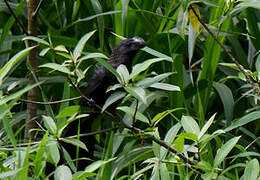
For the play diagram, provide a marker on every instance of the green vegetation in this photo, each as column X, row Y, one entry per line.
column 185, row 92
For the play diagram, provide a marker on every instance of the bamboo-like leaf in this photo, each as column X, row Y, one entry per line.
column 75, row 142
column 18, row 93
column 244, row 120
column 124, row 74
column 10, row 64
column 131, row 111
column 206, row 126
column 138, row 93
column 138, row 68
column 36, row 39
column 224, row 150
column 165, row 86
column 190, row 125
column 252, row 170
column 113, row 98
column 68, row 111
column 49, row 124
column 63, row 173
column 58, row 67
column 227, row 100
column 81, row 44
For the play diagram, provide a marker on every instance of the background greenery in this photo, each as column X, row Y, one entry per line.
column 213, row 118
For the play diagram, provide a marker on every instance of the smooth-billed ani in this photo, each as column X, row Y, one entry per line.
column 123, row 53
column 96, row 88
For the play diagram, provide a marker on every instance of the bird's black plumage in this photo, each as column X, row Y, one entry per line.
column 123, row 53
column 96, row 88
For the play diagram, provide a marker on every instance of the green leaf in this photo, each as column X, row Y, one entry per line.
column 4, row 175
column 130, row 111
column 44, row 51
column 252, row 170
column 97, row 164
column 49, row 124
column 230, row 65
column 190, row 136
column 57, row 67
column 190, row 125
column 68, row 111
column 124, row 74
column 206, row 126
column 40, row 159
column 257, row 66
column 164, row 86
column 36, row 39
column 80, row 46
column 162, row 115
column 10, row 64
column 138, row 93
column 61, row 48
column 9, row 130
column 109, row 67
column 224, row 150
column 53, row 151
column 18, row 93
column 9, row 23
column 244, row 120
column 113, row 98
column 138, row 68
column 169, row 137
column 146, row 82
column 226, row 98
column 63, row 173
column 157, row 54
column 91, row 56
column 179, row 143
column 75, row 142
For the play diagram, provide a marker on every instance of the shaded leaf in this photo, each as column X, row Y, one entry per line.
column 224, row 150
column 131, row 111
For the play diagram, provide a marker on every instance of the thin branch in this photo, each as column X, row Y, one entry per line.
column 50, row 103
column 38, row 8
column 225, row 49
column 21, row 144
column 90, row 101
column 94, row 132
column 136, row 107
column 16, row 18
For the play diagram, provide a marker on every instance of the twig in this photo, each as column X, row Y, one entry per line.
column 50, row 103
column 15, row 17
column 94, row 133
column 21, row 144
column 225, row 49
column 87, row 99
column 136, row 107
column 38, row 8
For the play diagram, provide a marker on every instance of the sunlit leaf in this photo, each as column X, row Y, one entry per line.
column 194, row 20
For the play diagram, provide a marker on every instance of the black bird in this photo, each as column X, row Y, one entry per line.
column 123, row 53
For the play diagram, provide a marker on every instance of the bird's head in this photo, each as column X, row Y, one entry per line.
column 125, row 51
column 132, row 44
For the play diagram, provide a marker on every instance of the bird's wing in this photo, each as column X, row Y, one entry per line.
column 95, row 80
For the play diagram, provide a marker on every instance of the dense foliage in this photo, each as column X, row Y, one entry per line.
column 184, row 91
